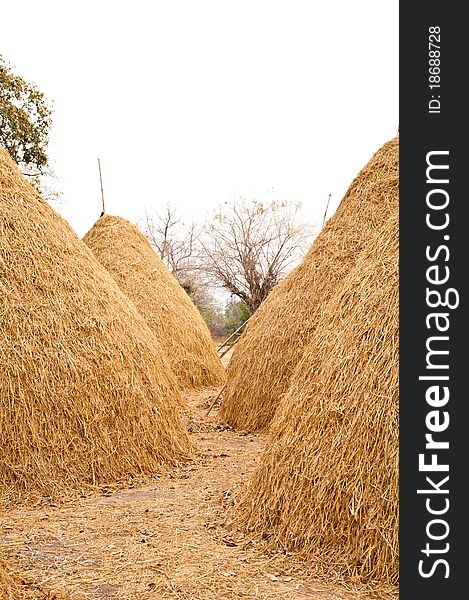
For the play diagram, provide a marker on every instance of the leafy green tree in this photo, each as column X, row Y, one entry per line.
column 236, row 313
column 25, row 121
column 188, row 287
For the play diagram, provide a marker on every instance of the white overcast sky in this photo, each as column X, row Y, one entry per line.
column 196, row 102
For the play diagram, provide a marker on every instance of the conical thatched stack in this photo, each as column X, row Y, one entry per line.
column 328, row 480
column 125, row 252
column 86, row 395
column 269, row 351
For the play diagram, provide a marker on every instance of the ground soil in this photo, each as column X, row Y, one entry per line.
column 174, row 536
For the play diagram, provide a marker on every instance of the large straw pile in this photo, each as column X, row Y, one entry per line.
column 9, row 588
column 274, row 341
column 86, row 395
column 171, row 315
column 328, row 480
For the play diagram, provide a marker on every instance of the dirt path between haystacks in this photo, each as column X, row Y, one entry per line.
column 163, row 539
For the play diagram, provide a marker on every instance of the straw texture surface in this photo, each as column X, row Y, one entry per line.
column 169, row 312
column 86, row 394
column 327, row 485
column 270, row 349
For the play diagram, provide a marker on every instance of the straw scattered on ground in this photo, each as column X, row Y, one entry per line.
column 274, row 341
column 169, row 539
column 86, row 394
column 169, row 312
column 13, row 586
column 327, row 485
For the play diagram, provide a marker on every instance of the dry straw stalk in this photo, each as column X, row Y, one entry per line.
column 169, row 312
column 86, row 394
column 271, row 347
column 14, row 586
column 9, row 584
column 327, row 484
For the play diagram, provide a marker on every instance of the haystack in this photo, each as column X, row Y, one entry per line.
column 86, row 394
column 169, row 312
column 273, row 343
column 327, row 484
column 9, row 585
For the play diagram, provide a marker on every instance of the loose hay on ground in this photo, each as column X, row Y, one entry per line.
column 13, row 586
column 126, row 254
column 166, row 539
column 327, row 484
column 271, row 347
column 86, row 394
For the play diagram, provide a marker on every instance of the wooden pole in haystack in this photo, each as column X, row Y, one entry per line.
column 325, row 212
column 215, row 401
column 232, row 336
column 101, row 182
column 222, row 355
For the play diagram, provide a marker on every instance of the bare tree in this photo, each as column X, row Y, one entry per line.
column 245, row 249
column 177, row 246
column 174, row 242
column 249, row 246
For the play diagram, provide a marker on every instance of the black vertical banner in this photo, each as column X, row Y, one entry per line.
column 434, row 267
